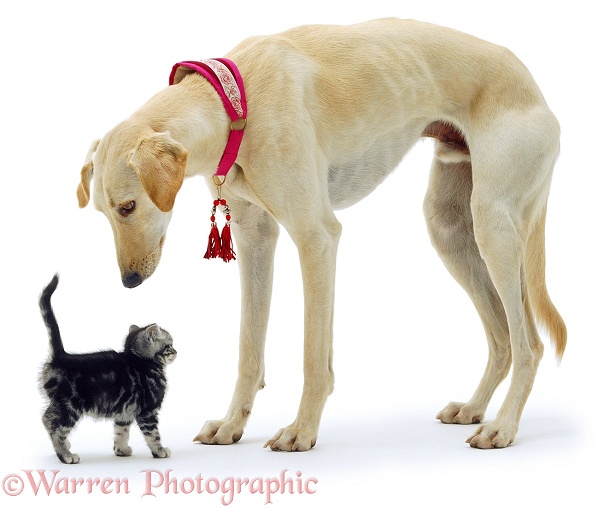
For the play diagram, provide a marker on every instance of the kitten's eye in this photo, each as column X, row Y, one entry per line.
column 127, row 208
column 169, row 351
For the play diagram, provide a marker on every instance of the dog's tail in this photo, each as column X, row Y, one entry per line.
column 56, row 343
column 541, row 304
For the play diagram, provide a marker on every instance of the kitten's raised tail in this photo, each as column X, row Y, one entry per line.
column 56, row 343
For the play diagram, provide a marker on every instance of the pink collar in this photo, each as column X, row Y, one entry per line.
column 225, row 78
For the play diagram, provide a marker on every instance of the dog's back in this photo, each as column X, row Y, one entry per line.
column 394, row 65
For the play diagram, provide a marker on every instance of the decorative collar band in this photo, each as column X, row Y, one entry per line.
column 226, row 80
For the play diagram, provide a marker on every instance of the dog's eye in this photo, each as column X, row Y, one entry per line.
column 127, row 208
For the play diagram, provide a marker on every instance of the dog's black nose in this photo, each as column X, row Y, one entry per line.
column 132, row 280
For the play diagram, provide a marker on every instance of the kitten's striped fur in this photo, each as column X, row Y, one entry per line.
column 126, row 386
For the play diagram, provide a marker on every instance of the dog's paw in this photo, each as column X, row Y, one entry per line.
column 222, row 432
column 292, row 439
column 161, row 453
column 122, row 452
column 492, row 435
column 460, row 413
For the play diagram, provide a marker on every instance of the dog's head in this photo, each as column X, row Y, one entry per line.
column 137, row 173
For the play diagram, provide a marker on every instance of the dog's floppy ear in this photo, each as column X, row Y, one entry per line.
column 159, row 162
column 83, row 191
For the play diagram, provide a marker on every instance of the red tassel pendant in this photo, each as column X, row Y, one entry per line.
column 220, row 247
column 214, row 244
column 227, row 253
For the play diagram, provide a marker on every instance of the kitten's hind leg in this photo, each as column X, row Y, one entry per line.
column 120, row 439
column 59, row 422
column 148, row 425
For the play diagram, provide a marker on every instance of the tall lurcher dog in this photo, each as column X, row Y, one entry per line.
column 332, row 111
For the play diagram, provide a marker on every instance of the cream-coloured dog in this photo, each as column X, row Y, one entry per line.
column 332, row 111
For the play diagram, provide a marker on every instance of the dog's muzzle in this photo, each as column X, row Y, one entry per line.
column 132, row 280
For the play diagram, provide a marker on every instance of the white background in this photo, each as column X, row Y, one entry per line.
column 407, row 339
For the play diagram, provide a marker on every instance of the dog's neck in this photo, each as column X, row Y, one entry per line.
column 224, row 76
column 193, row 114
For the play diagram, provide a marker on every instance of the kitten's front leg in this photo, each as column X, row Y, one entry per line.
column 120, row 439
column 148, row 425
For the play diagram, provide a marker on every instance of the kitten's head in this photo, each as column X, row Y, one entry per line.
column 152, row 343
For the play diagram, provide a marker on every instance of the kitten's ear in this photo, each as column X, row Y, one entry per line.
column 133, row 328
column 152, row 332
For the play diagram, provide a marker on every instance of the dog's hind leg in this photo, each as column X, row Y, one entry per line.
column 449, row 221
column 256, row 234
column 511, row 175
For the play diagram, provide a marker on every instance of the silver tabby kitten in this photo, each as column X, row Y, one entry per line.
column 126, row 386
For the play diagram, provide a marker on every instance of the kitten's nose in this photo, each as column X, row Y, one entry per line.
column 132, row 280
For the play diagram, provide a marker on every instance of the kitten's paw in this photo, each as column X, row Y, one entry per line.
column 122, row 452
column 161, row 453
column 68, row 458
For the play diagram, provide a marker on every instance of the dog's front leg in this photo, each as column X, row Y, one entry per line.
column 317, row 249
column 256, row 234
